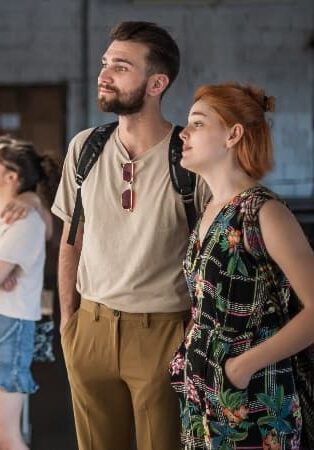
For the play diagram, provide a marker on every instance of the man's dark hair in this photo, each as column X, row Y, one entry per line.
column 164, row 54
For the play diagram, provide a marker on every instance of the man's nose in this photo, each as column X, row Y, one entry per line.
column 105, row 75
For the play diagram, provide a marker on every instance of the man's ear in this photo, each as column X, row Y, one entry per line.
column 235, row 134
column 157, row 84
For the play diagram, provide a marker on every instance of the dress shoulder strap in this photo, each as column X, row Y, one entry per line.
column 250, row 208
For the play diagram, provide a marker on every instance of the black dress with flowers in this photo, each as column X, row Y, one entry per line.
column 234, row 307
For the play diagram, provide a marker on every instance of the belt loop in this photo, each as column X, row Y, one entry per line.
column 96, row 312
column 117, row 314
column 145, row 320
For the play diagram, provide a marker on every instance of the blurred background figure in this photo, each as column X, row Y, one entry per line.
column 22, row 258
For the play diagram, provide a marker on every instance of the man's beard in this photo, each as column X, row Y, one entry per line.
column 124, row 104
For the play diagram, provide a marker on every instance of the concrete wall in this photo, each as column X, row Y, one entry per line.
column 260, row 41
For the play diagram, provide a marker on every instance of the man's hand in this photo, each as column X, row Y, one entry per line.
column 69, row 258
column 64, row 320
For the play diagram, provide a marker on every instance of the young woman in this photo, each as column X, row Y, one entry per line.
column 246, row 258
column 22, row 257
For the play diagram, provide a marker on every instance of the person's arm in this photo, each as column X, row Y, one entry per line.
column 69, row 257
column 289, row 248
column 10, row 281
column 20, row 206
column 5, row 269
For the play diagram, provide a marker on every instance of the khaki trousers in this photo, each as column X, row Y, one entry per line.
column 117, row 366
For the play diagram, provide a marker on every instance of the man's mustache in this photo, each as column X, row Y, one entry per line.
column 108, row 87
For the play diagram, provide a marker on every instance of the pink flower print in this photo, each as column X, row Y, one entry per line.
column 295, row 442
column 208, row 409
column 188, row 338
column 194, row 311
column 177, row 364
column 295, row 405
column 270, row 442
column 192, row 392
column 243, row 207
column 199, row 287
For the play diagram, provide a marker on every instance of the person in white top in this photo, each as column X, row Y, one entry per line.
column 22, row 257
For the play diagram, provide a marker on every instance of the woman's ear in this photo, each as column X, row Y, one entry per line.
column 157, row 84
column 235, row 134
column 11, row 177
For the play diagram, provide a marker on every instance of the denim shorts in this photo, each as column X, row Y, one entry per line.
column 16, row 354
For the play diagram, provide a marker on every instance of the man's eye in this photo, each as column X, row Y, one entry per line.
column 121, row 69
column 198, row 124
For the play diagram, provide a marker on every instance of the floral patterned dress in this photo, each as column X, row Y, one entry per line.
column 234, row 307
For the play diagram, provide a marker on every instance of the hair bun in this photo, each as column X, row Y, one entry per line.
column 269, row 103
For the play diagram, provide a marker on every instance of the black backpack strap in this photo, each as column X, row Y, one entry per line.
column 182, row 179
column 91, row 149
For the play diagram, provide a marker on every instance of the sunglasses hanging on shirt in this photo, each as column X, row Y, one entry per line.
column 127, row 197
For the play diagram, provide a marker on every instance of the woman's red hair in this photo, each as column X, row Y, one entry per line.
column 245, row 105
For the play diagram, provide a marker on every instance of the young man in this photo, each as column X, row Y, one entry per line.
column 124, row 301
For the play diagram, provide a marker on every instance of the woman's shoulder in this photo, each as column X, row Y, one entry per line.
column 260, row 191
column 33, row 219
column 32, row 223
column 256, row 197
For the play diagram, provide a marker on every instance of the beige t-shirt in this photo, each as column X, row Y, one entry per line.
column 130, row 261
column 23, row 244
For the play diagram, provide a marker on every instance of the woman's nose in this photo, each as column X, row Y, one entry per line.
column 183, row 135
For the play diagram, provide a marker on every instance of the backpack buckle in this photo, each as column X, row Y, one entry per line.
column 188, row 198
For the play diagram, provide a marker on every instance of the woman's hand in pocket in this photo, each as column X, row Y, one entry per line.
column 237, row 373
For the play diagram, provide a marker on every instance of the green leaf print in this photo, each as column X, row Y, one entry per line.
column 241, row 267
column 186, row 410
column 217, row 428
column 278, row 424
column 266, row 420
column 226, row 433
column 232, row 264
column 220, row 303
column 280, row 409
column 197, row 425
column 267, row 401
column 232, row 400
column 245, row 425
column 225, row 446
column 236, row 436
column 224, row 244
column 279, row 397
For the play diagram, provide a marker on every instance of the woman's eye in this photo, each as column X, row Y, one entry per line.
column 198, row 124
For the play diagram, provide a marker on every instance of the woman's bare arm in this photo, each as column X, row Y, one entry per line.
column 289, row 248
